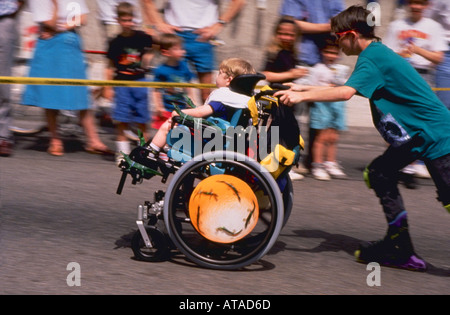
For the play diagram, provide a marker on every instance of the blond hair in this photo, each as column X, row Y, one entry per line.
column 236, row 66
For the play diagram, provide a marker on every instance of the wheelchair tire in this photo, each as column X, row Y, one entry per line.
column 160, row 250
column 210, row 254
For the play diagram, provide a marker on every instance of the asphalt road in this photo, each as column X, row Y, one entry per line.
column 55, row 211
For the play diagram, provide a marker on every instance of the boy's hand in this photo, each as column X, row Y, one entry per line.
column 289, row 97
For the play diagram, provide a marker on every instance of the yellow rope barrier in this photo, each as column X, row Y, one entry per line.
column 85, row 82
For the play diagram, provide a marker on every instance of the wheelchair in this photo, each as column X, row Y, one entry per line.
column 223, row 208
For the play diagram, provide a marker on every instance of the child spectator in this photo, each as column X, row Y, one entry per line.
column 129, row 54
column 174, row 69
column 216, row 104
column 281, row 60
column 281, row 54
column 327, row 118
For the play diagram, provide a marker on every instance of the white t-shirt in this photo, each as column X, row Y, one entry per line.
column 327, row 75
column 107, row 13
column 228, row 98
column 440, row 12
column 42, row 10
column 192, row 14
column 425, row 33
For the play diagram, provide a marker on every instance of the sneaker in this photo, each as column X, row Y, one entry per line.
column 334, row 170
column 318, row 172
column 395, row 250
column 420, row 170
column 152, row 153
column 389, row 256
column 295, row 176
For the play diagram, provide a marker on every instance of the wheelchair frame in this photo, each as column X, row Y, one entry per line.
column 165, row 225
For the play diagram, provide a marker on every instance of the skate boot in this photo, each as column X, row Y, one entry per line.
column 395, row 250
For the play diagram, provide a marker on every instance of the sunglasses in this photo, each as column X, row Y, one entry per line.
column 342, row 34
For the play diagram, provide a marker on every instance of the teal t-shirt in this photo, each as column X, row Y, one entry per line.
column 403, row 105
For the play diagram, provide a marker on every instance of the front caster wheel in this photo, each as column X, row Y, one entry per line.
column 158, row 252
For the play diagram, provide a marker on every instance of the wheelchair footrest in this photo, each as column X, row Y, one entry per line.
column 141, row 166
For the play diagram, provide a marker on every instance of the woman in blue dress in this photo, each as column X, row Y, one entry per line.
column 59, row 54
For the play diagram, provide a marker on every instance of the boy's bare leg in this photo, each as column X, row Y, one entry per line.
column 332, row 137
column 159, row 140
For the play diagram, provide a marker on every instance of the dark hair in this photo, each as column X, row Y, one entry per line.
column 354, row 18
column 274, row 47
column 124, row 9
column 168, row 40
column 328, row 41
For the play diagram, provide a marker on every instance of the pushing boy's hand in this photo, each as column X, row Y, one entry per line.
column 289, row 97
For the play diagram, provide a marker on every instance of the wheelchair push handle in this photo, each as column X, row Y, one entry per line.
column 275, row 88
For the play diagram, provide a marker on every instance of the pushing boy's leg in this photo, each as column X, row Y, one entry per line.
column 395, row 249
column 440, row 173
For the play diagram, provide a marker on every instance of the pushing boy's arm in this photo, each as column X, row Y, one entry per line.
column 334, row 94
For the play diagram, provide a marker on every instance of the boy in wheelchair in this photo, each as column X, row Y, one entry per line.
column 228, row 106
column 217, row 105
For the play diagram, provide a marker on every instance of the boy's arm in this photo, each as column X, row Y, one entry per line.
column 292, row 97
column 198, row 112
column 147, row 60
